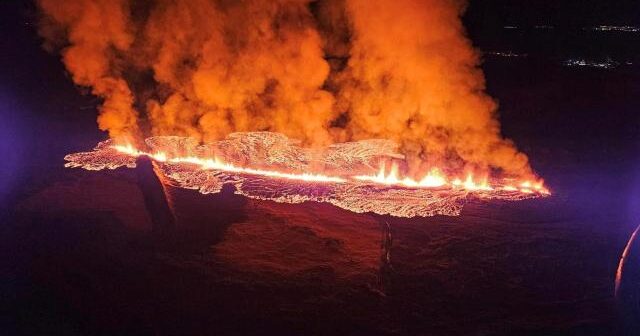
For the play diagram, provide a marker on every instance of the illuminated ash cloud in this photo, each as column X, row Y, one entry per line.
column 269, row 166
column 327, row 71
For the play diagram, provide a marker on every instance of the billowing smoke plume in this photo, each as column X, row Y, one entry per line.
column 412, row 76
column 238, row 66
column 97, row 31
column 319, row 71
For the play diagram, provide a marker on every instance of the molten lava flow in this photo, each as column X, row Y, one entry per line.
column 216, row 164
column 433, row 179
column 269, row 166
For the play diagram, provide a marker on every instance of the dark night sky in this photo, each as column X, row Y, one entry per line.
column 565, row 13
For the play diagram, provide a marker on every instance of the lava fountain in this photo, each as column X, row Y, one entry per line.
column 362, row 176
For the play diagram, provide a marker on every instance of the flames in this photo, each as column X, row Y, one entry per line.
column 433, row 179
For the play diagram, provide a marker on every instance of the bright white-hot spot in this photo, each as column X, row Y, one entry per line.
column 433, row 179
column 217, row 164
column 470, row 184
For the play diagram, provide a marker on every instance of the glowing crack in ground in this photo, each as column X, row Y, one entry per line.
column 269, row 166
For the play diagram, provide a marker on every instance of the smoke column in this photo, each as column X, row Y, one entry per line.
column 319, row 71
column 95, row 33
column 238, row 66
column 412, row 68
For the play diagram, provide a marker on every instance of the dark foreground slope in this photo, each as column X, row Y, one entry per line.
column 86, row 259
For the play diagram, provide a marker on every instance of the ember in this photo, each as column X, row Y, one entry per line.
column 276, row 169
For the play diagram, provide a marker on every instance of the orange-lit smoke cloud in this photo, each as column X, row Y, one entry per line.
column 238, row 66
column 96, row 32
column 319, row 71
column 413, row 77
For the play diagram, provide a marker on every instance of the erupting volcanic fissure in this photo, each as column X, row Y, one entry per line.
column 323, row 72
column 198, row 77
column 270, row 166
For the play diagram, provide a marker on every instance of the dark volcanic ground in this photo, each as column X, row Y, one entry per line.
column 80, row 256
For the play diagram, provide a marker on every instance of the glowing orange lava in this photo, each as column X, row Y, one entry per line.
column 433, row 179
column 270, row 166
column 217, row 164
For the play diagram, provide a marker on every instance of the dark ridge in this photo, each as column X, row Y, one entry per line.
column 155, row 199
